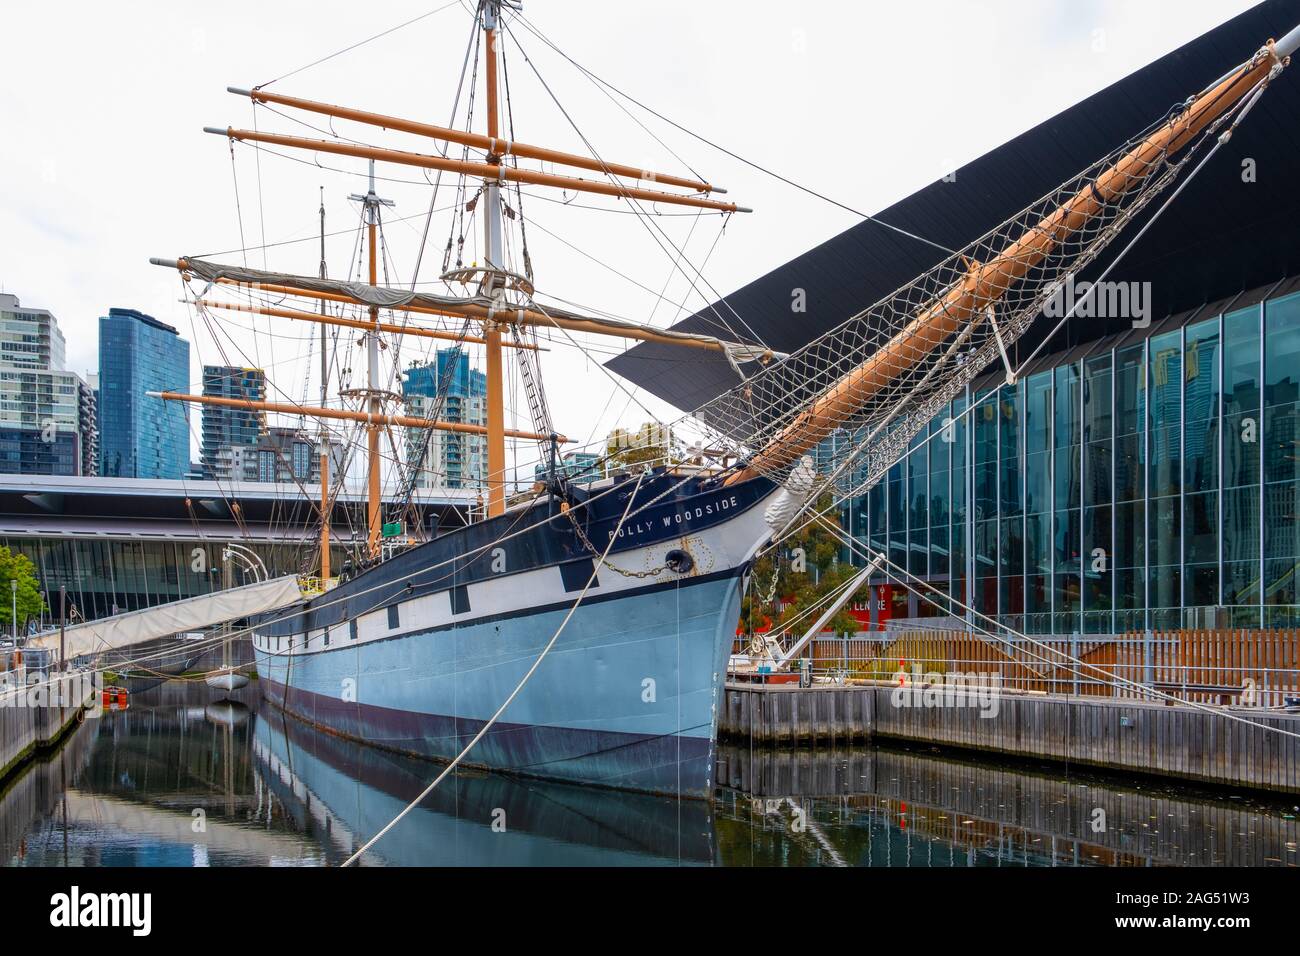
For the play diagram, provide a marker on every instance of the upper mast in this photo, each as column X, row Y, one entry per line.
column 492, row 226
column 373, row 396
column 324, row 433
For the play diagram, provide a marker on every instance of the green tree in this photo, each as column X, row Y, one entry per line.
column 31, row 602
column 651, row 442
column 808, row 569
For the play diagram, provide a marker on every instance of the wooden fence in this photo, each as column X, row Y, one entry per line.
column 1248, row 667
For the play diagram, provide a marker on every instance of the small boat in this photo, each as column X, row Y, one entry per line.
column 227, row 679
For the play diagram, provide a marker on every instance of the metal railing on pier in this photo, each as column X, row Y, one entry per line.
column 1259, row 668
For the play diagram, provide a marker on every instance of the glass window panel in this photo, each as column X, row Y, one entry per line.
column 1130, row 534
column 1038, row 482
column 1166, row 461
column 1165, row 588
column 1066, row 537
column 1130, row 589
column 1067, row 477
column 1012, row 551
column 1067, row 600
column 1281, row 529
column 1130, row 390
column 1038, row 594
column 1097, row 399
column 1281, row 443
column 1241, row 524
column 1282, row 350
column 986, row 548
column 1202, row 583
column 876, row 518
column 1098, row 462
column 1201, row 362
column 1038, row 412
column 918, row 561
column 985, row 425
column 1066, row 418
column 1010, row 400
column 986, row 489
column 1241, row 582
column 1202, row 524
column 939, row 499
column 1201, row 455
column 941, row 432
column 1241, row 353
column 1038, row 544
column 1012, row 596
column 1241, row 451
column 1012, row 487
column 1129, row 456
column 1282, row 616
column 1280, row 581
column 1165, row 532
column 1098, row 559
column 939, row 550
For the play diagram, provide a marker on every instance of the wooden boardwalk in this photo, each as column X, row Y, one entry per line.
column 1104, row 732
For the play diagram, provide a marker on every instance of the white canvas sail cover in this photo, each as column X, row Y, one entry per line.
column 190, row 614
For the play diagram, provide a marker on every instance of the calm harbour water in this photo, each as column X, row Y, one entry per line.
column 191, row 776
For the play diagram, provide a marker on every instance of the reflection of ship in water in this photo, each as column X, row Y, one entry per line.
column 342, row 794
column 125, row 789
column 914, row 808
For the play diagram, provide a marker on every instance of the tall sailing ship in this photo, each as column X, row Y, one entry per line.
column 582, row 631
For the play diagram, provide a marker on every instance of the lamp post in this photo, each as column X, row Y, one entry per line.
column 13, row 587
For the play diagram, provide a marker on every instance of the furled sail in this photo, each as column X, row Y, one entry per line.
column 481, row 306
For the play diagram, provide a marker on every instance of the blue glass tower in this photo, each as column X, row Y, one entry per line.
column 142, row 437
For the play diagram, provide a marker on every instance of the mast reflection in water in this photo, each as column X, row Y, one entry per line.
column 183, row 778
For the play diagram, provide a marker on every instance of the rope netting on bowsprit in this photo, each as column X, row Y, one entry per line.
column 855, row 397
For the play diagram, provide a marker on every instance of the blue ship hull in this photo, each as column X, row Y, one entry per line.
column 413, row 658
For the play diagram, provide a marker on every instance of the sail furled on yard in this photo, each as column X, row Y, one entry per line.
column 860, row 393
column 391, row 298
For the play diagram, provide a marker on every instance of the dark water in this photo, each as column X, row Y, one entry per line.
column 185, row 778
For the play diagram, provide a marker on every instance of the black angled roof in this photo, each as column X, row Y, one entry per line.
column 1220, row 237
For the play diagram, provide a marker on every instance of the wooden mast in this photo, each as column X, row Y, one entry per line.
column 374, row 403
column 324, row 433
column 496, row 444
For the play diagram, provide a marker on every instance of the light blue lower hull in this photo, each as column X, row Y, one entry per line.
column 626, row 698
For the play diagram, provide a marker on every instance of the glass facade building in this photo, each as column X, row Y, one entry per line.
column 139, row 436
column 1144, row 481
column 458, row 393
column 224, row 427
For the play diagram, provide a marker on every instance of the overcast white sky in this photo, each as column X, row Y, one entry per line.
column 105, row 164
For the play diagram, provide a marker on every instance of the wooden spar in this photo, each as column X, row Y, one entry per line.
column 325, row 503
column 374, row 499
column 492, row 145
column 345, row 414
column 529, row 317
column 415, row 330
column 495, row 379
column 479, row 170
column 983, row 285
